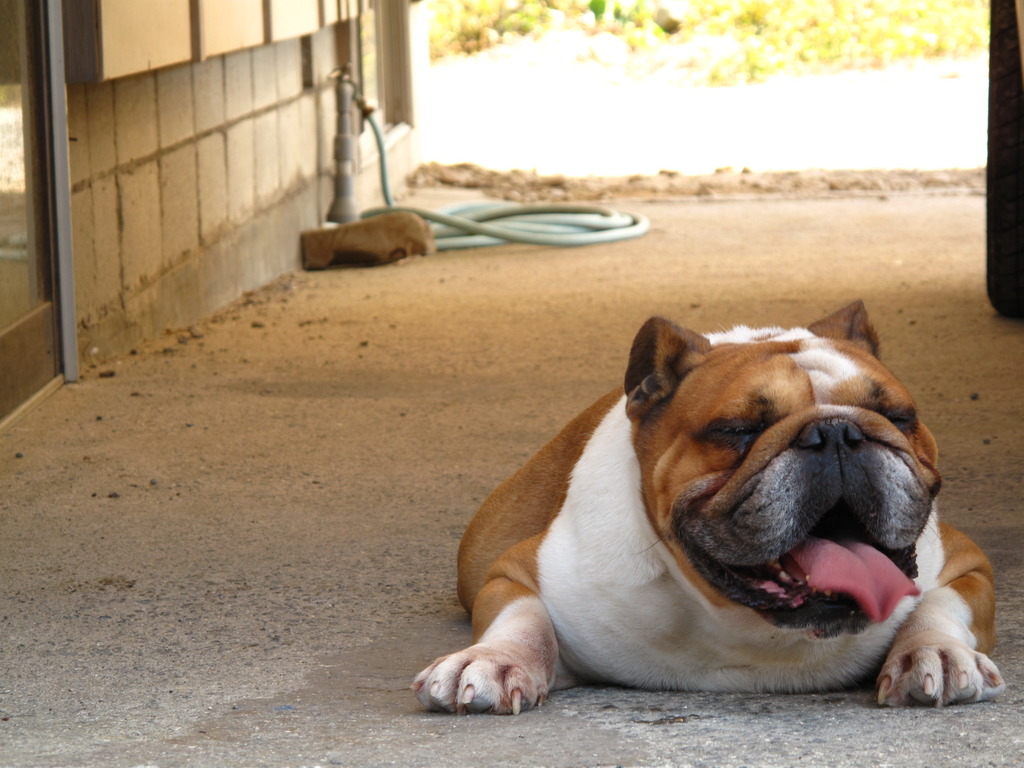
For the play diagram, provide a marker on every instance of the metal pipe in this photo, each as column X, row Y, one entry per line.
column 343, row 208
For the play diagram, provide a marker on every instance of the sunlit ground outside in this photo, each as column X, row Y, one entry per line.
column 577, row 103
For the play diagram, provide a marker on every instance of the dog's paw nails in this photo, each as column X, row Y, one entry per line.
column 939, row 671
column 992, row 681
column 884, row 689
column 962, row 680
column 464, row 702
column 928, row 687
column 482, row 679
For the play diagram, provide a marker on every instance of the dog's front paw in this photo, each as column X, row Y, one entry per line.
column 934, row 668
column 499, row 678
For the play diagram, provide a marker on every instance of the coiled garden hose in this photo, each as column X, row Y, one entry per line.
column 482, row 224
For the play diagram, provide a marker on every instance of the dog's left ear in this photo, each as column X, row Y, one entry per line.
column 662, row 354
column 850, row 324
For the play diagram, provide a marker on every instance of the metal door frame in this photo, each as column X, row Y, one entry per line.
column 64, row 290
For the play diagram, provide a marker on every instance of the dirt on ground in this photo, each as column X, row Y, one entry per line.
column 529, row 186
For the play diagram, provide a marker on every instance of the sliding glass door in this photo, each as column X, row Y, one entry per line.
column 30, row 356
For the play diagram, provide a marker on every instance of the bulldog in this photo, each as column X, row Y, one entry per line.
column 754, row 511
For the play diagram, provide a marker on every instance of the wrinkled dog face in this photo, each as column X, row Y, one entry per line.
column 787, row 468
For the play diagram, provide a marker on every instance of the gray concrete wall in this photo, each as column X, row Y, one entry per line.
column 191, row 184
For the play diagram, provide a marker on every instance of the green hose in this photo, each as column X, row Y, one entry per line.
column 482, row 224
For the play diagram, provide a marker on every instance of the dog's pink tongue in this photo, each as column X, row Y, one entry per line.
column 855, row 569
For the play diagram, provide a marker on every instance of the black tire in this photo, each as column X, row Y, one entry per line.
column 1005, row 173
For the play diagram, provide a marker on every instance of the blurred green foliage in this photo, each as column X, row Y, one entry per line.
column 470, row 26
column 743, row 40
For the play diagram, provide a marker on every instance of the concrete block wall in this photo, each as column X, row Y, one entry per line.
column 191, row 184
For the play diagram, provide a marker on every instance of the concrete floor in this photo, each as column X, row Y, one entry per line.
column 236, row 547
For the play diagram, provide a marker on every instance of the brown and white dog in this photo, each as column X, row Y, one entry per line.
column 754, row 512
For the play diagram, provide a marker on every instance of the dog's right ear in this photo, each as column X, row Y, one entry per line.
column 662, row 354
column 851, row 324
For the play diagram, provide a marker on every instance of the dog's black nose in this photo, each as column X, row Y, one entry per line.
column 825, row 434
